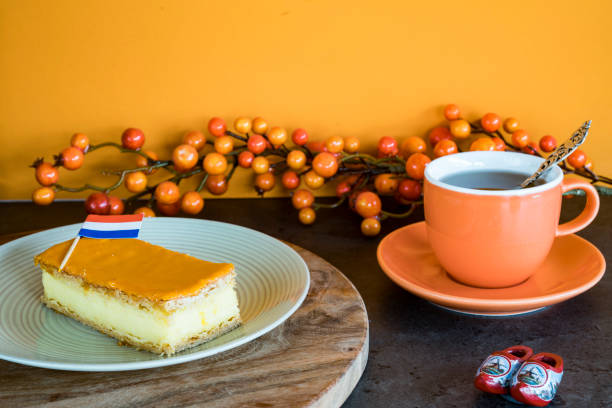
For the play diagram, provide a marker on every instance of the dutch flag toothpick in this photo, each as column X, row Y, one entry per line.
column 106, row 226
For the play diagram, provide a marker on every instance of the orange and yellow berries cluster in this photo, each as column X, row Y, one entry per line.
column 300, row 165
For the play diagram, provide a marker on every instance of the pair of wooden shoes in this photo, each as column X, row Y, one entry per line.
column 518, row 373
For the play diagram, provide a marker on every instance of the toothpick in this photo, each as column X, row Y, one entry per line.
column 70, row 250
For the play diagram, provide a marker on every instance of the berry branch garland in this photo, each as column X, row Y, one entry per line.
column 361, row 178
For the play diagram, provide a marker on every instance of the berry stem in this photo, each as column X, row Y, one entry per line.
column 413, row 206
column 336, row 204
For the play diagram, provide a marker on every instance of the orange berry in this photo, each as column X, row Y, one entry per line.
column 259, row 125
column 195, row 139
column 386, row 184
column 368, row 204
column 184, row 157
column 214, row 163
column 216, row 184
column 460, row 128
column 302, row 199
column 500, row 145
column 483, row 144
column 325, row 164
column 46, row 174
column 192, row 203
column 415, row 165
column 577, row 159
column 260, row 165
column 296, row 159
column 445, row 147
column 265, row 181
column 72, row 158
column 43, row 196
column 334, row 144
column 277, row 135
column 511, row 125
column 136, row 182
column 520, row 138
column 242, row 125
column 412, row 144
column 452, row 112
column 146, row 211
column 370, row 227
column 169, row 210
column 224, row 144
column 351, row 144
column 531, row 148
column 80, row 141
column 307, row 216
column 167, row 192
column 490, row 122
column 313, row 180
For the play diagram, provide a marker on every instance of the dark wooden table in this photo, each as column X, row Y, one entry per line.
column 420, row 355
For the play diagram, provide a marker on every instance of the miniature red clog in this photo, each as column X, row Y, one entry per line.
column 537, row 380
column 495, row 374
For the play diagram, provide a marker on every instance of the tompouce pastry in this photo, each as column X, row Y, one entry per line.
column 141, row 294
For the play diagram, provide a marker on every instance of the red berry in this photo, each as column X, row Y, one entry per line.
column 97, row 203
column 490, row 122
column 299, row 137
column 343, row 188
column 410, row 189
column 388, row 146
column 548, row 143
column 257, row 144
column 439, row 133
column 116, row 205
column 290, row 180
column 132, row 139
column 245, row 159
column 217, row 127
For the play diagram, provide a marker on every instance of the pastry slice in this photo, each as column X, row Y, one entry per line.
column 143, row 295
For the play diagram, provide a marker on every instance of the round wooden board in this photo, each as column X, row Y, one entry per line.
column 314, row 359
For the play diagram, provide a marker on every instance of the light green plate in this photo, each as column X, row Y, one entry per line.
column 272, row 283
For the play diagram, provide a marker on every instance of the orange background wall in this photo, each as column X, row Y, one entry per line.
column 333, row 67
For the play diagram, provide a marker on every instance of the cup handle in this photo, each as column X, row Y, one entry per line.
column 590, row 209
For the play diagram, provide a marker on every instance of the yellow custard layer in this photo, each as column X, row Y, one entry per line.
column 135, row 267
column 149, row 329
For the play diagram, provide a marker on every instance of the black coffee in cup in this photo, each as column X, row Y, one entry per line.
column 489, row 180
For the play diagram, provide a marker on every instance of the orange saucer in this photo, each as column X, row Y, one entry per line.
column 572, row 267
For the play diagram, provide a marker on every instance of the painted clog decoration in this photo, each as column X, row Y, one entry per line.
column 495, row 373
column 537, row 380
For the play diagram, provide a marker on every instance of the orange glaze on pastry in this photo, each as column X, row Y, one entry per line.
column 135, row 267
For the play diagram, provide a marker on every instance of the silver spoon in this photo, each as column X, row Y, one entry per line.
column 560, row 153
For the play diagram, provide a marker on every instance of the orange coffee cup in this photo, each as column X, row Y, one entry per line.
column 496, row 238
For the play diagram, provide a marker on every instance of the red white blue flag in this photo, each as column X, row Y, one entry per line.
column 111, row 226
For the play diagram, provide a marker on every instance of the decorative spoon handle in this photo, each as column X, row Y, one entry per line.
column 561, row 152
